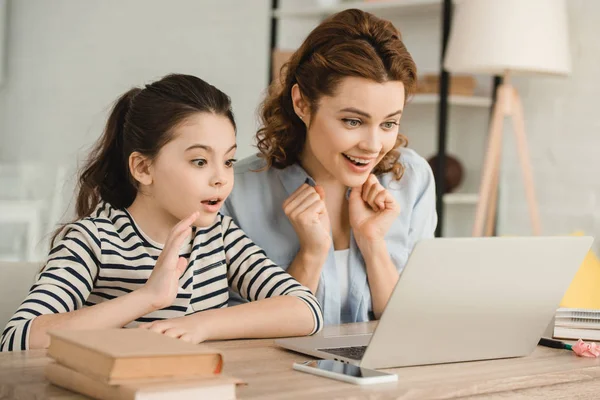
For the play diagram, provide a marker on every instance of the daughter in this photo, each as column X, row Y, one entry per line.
column 150, row 248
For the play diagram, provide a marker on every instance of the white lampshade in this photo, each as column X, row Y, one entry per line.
column 522, row 36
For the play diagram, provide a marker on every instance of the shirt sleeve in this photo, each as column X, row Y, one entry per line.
column 424, row 214
column 255, row 277
column 63, row 284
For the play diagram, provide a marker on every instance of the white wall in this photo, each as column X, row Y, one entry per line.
column 68, row 60
column 563, row 129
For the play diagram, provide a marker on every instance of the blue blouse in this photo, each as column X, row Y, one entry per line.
column 255, row 205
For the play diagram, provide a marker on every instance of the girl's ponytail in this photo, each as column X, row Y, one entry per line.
column 106, row 173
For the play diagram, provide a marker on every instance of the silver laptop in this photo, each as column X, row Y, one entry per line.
column 462, row 299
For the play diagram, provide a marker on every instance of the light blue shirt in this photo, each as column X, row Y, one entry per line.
column 256, row 207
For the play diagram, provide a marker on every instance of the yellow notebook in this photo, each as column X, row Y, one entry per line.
column 584, row 291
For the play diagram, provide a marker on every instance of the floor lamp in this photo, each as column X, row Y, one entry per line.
column 507, row 37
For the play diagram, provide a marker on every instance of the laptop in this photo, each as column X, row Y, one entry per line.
column 462, row 299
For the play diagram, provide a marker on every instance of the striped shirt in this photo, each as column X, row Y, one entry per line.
column 106, row 255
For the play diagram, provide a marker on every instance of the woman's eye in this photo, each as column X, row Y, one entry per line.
column 230, row 163
column 353, row 123
column 389, row 125
column 199, row 162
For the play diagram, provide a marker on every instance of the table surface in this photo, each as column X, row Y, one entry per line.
column 267, row 370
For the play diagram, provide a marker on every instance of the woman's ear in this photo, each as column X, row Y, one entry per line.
column 301, row 107
column 139, row 166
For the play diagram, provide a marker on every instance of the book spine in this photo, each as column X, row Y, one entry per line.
column 81, row 359
column 65, row 378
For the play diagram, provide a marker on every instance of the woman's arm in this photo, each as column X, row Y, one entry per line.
column 305, row 208
column 381, row 273
column 373, row 210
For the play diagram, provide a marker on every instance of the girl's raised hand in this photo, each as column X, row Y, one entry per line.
column 163, row 283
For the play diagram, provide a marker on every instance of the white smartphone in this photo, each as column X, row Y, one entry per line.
column 345, row 372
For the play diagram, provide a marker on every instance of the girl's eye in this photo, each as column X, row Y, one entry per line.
column 389, row 125
column 229, row 163
column 352, row 123
column 199, row 162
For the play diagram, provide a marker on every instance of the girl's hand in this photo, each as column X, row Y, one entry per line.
column 306, row 210
column 189, row 328
column 372, row 211
column 163, row 283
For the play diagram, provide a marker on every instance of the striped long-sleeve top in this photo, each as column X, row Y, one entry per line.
column 107, row 255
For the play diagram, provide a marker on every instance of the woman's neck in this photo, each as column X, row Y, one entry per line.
column 335, row 200
column 332, row 186
column 152, row 219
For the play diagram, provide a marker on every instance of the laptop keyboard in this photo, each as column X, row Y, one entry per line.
column 353, row 353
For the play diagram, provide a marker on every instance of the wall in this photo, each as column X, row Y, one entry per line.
column 68, row 60
column 563, row 130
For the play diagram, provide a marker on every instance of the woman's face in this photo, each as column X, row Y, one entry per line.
column 351, row 131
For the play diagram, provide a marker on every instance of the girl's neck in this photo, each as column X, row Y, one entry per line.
column 152, row 219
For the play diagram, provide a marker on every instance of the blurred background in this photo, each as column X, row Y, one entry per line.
column 63, row 63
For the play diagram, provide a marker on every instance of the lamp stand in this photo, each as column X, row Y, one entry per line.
column 508, row 104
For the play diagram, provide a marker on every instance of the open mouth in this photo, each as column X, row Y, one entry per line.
column 361, row 162
column 211, row 202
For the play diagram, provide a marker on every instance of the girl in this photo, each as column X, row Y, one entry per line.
column 150, row 248
column 331, row 125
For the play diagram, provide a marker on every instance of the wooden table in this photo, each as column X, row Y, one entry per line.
column 267, row 369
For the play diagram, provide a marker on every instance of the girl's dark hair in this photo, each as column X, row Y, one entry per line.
column 349, row 43
column 142, row 120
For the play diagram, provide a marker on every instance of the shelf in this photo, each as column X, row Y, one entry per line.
column 467, row 101
column 375, row 7
column 461, row 198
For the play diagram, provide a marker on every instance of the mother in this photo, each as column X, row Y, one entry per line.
column 334, row 196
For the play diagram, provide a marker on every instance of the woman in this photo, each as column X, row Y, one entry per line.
column 335, row 198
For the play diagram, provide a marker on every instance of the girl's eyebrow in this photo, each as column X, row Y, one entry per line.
column 208, row 148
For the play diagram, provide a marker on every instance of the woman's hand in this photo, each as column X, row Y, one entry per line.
column 189, row 328
column 306, row 210
column 372, row 211
column 163, row 283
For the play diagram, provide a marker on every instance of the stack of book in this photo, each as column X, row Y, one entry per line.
column 577, row 323
column 135, row 364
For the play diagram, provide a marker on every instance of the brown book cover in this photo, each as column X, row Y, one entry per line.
column 215, row 387
column 121, row 354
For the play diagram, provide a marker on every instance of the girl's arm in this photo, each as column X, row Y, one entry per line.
column 56, row 300
column 113, row 313
column 285, row 308
column 62, row 286
column 255, row 277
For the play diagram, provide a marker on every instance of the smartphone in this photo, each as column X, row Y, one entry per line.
column 345, row 372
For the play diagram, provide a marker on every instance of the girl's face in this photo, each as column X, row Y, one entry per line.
column 353, row 130
column 194, row 171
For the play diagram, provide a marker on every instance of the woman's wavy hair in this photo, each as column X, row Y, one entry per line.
column 350, row 43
